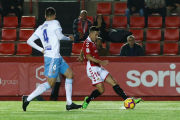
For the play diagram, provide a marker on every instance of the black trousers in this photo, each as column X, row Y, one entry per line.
column 17, row 11
column 148, row 11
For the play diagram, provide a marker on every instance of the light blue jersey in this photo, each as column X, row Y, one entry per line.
column 50, row 32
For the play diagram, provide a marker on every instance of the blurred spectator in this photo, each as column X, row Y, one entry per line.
column 173, row 6
column 134, row 6
column 131, row 48
column 101, row 50
column 155, row 6
column 12, row 6
column 102, row 25
column 81, row 27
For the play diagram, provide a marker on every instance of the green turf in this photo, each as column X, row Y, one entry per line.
column 97, row 110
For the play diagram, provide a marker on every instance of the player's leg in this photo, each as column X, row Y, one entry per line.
column 110, row 80
column 39, row 90
column 68, row 73
column 51, row 70
column 97, row 92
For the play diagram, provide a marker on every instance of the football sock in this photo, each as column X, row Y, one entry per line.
column 93, row 95
column 68, row 87
column 120, row 92
column 39, row 90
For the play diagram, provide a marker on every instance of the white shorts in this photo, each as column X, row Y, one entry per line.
column 96, row 74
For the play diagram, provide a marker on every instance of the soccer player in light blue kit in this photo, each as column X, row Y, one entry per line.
column 50, row 33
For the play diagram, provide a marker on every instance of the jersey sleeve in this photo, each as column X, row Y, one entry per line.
column 37, row 32
column 56, row 25
column 87, row 48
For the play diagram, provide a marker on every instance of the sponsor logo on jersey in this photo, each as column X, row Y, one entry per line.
column 87, row 50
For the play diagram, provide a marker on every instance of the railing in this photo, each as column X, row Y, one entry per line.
column 30, row 5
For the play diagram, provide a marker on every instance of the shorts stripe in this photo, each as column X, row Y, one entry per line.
column 106, row 77
column 50, row 67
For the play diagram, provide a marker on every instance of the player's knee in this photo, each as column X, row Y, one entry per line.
column 70, row 75
column 101, row 90
column 47, row 85
column 51, row 84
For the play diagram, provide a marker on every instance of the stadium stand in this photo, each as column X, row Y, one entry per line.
column 153, row 35
column 119, row 22
column 28, row 22
column 76, row 48
column 115, row 48
column 23, row 49
column 120, row 8
column 24, row 34
column 104, row 8
column 170, row 49
column 172, row 22
column 155, row 22
column 10, row 22
column 7, row 48
column 171, row 35
column 137, row 22
column 9, row 35
column 138, row 34
column 152, row 49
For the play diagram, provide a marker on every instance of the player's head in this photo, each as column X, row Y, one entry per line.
column 50, row 13
column 131, row 40
column 98, row 42
column 83, row 14
column 93, row 33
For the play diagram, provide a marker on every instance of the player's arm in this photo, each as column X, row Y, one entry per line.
column 31, row 40
column 92, row 59
column 60, row 36
column 81, row 56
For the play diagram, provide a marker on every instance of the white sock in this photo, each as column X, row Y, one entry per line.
column 68, row 87
column 39, row 90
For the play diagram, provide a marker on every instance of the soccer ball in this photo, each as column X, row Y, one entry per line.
column 129, row 103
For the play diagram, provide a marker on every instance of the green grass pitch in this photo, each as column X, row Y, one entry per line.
column 97, row 110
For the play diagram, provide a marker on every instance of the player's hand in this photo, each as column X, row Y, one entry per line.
column 80, row 59
column 105, row 62
column 71, row 38
column 43, row 51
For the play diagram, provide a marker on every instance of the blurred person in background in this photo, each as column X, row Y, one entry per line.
column 102, row 26
column 173, row 6
column 155, row 6
column 81, row 27
column 134, row 6
column 131, row 48
column 12, row 6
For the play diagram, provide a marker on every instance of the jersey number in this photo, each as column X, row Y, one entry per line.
column 46, row 39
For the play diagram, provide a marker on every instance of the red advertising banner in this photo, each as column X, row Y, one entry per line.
column 136, row 79
column 9, row 79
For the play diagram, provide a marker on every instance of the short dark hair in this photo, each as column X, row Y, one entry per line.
column 93, row 28
column 50, row 11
